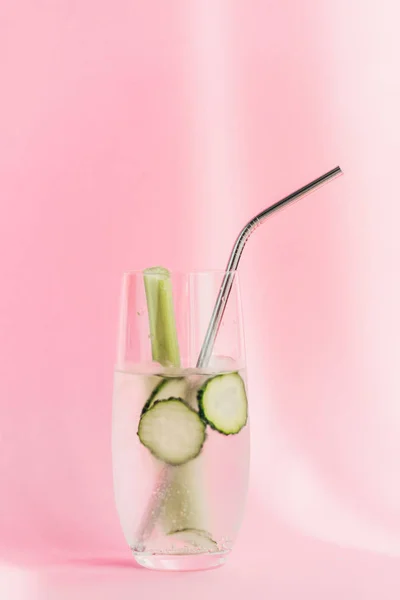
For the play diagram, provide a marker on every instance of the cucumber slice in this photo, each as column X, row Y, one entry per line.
column 172, row 431
column 197, row 538
column 169, row 387
column 223, row 403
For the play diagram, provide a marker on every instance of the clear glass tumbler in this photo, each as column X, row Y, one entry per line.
column 180, row 436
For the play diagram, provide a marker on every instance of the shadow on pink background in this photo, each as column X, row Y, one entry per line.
column 149, row 132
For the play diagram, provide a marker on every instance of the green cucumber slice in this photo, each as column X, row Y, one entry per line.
column 223, row 403
column 172, row 431
column 169, row 387
column 197, row 538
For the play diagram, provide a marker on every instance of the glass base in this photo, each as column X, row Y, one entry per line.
column 181, row 562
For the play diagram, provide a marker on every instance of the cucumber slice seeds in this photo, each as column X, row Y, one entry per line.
column 172, row 431
column 223, row 403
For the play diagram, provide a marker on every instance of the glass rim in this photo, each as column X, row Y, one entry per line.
column 183, row 272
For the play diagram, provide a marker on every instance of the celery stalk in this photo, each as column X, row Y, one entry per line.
column 182, row 505
column 160, row 306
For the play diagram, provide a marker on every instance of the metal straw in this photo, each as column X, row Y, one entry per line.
column 153, row 510
column 227, row 282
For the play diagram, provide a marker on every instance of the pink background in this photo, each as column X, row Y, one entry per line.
column 139, row 132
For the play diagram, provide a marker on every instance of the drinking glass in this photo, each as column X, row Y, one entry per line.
column 180, row 513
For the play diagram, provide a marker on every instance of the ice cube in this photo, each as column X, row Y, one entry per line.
column 222, row 363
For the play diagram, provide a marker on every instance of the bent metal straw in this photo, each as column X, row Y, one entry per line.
column 236, row 253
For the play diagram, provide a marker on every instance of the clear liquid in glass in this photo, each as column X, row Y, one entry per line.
column 203, row 498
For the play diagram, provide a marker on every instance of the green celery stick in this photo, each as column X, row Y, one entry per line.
column 160, row 306
column 183, row 504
